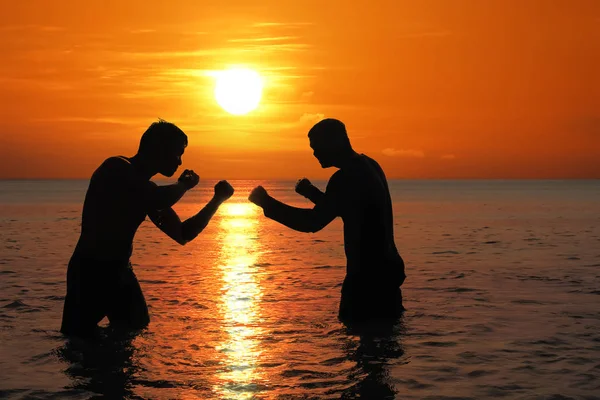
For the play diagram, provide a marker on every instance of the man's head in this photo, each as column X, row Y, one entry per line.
column 163, row 144
column 329, row 141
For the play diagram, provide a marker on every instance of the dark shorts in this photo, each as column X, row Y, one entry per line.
column 98, row 289
column 363, row 300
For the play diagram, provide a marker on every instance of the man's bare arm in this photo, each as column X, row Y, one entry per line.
column 305, row 188
column 183, row 232
column 121, row 175
column 299, row 219
column 163, row 197
column 169, row 222
column 316, row 197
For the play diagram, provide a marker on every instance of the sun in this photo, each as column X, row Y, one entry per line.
column 238, row 90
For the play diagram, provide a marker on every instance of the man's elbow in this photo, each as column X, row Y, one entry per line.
column 187, row 233
column 180, row 237
column 313, row 227
column 186, row 237
column 183, row 240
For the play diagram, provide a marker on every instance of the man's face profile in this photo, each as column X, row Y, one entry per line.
column 322, row 151
column 171, row 159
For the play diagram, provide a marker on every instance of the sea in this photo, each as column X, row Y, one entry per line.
column 502, row 299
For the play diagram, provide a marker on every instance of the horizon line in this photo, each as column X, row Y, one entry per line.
column 325, row 179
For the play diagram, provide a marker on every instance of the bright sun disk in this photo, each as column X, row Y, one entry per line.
column 238, row 90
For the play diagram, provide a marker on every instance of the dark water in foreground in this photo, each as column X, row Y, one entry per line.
column 503, row 296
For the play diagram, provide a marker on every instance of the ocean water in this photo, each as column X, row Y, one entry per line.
column 502, row 298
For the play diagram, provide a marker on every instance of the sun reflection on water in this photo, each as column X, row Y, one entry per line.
column 239, row 302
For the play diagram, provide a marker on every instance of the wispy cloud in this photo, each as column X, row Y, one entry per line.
column 278, row 47
column 42, row 28
column 280, row 24
column 168, row 30
column 95, row 120
column 311, row 119
column 409, row 153
column 264, row 39
column 43, row 83
column 136, row 31
column 448, row 157
column 258, row 48
column 306, row 120
column 169, row 54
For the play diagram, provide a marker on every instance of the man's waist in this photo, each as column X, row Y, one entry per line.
column 104, row 248
column 375, row 273
column 104, row 260
column 375, row 261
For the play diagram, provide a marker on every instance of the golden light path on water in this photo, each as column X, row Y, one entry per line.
column 239, row 302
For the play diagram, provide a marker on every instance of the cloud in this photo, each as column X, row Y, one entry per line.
column 138, row 31
column 448, row 157
column 133, row 55
column 310, row 119
column 96, row 120
column 42, row 28
column 262, row 47
column 409, row 153
column 252, row 48
column 282, row 24
column 264, row 39
column 307, row 95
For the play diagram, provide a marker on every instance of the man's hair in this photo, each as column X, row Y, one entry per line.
column 161, row 134
column 331, row 130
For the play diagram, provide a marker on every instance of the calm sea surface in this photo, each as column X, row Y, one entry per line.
column 503, row 299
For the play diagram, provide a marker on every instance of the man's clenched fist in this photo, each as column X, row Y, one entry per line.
column 223, row 190
column 304, row 187
column 189, row 179
column 258, row 196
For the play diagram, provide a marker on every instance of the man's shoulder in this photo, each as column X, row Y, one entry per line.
column 370, row 164
column 338, row 176
column 116, row 162
column 337, row 181
column 370, row 160
column 114, row 168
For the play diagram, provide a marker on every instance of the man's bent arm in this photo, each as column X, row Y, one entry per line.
column 315, row 195
column 298, row 219
column 183, row 232
column 165, row 196
column 119, row 172
column 191, row 227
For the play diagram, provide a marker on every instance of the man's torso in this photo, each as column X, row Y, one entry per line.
column 364, row 204
column 113, row 209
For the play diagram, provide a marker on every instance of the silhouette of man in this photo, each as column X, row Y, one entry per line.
column 358, row 193
column 100, row 279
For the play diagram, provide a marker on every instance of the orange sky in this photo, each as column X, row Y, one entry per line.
column 431, row 89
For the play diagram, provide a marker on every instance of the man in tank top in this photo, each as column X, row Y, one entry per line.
column 358, row 193
column 120, row 195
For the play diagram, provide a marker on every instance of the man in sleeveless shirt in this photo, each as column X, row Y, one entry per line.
column 358, row 193
column 120, row 195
